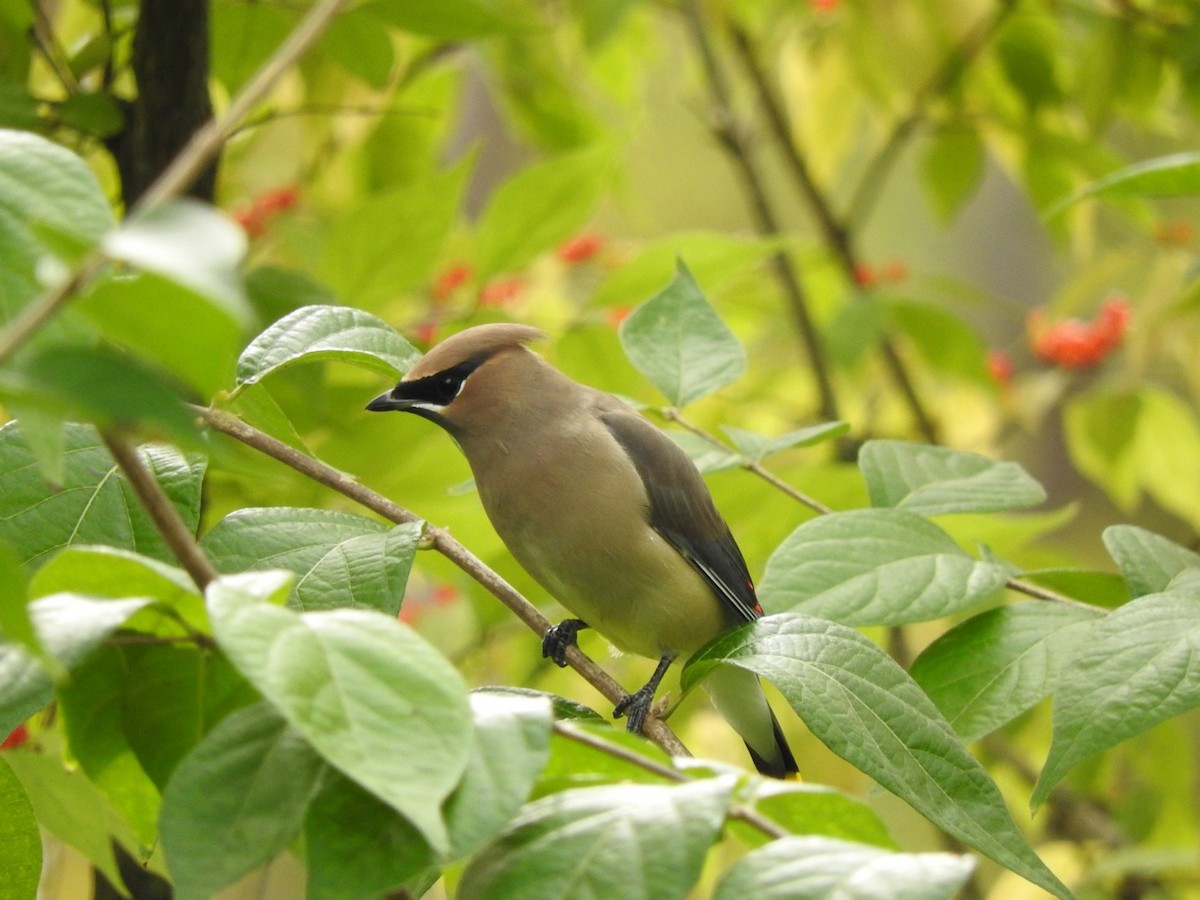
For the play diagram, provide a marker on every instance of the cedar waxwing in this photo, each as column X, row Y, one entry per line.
column 605, row 511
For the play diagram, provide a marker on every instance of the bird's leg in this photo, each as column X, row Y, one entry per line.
column 559, row 637
column 637, row 704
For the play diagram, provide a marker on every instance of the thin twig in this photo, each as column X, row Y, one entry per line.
column 729, row 137
column 836, row 234
column 739, row 811
column 1016, row 584
column 162, row 511
column 205, row 144
column 440, row 540
column 43, row 35
column 867, row 193
column 674, row 415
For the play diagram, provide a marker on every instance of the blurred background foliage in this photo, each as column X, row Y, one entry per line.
column 871, row 194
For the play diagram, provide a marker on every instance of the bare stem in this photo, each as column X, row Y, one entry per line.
column 729, row 136
column 1016, row 584
column 178, row 176
column 674, row 415
column 739, row 811
column 162, row 511
column 836, row 234
column 440, row 540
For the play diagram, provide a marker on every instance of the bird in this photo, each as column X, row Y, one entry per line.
column 607, row 513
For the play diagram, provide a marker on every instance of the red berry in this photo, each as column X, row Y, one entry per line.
column 501, row 292
column 453, row 277
column 580, row 248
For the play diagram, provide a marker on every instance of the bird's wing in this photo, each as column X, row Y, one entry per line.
column 682, row 510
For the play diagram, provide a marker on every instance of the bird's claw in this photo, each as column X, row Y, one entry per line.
column 559, row 637
column 636, row 707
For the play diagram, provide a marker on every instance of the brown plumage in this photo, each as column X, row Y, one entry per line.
column 601, row 508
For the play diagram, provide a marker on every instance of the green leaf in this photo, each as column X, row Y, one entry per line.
column 275, row 291
column 712, row 257
column 357, row 846
column 143, row 311
column 191, row 244
column 90, row 704
column 100, row 385
column 1135, row 668
column 628, row 841
column 677, row 340
column 390, row 243
column 1177, row 175
column 950, row 345
column 510, row 747
column 537, row 208
column 875, row 567
column 102, row 571
column 317, row 333
column 1148, row 561
column 172, row 697
column 20, row 840
column 45, row 186
column 70, row 807
column 1105, row 589
column 867, row 710
column 95, row 113
column 371, row 696
column 93, row 504
column 816, row 809
column 1101, row 431
column 236, row 800
column 69, row 627
column 15, row 624
column 817, row 868
column 989, row 669
column 1027, row 48
column 937, row 480
column 358, row 42
column 757, row 447
column 341, row 559
column 952, row 168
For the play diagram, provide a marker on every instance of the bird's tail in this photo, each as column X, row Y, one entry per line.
column 739, row 697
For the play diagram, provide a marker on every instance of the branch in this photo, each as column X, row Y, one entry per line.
column 1014, row 584
column 866, row 194
column 674, row 415
column 191, row 161
column 438, row 539
column 739, row 811
column 836, row 234
column 161, row 510
column 729, row 137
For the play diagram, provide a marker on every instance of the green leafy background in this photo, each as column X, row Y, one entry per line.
column 983, row 589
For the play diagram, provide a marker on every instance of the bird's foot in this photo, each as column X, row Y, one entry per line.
column 636, row 707
column 559, row 637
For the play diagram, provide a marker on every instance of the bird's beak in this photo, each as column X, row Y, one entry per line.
column 385, row 402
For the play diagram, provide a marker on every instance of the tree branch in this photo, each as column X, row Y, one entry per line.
column 835, row 233
column 729, row 137
column 183, row 170
column 441, row 541
column 739, row 811
column 161, row 510
column 674, row 415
